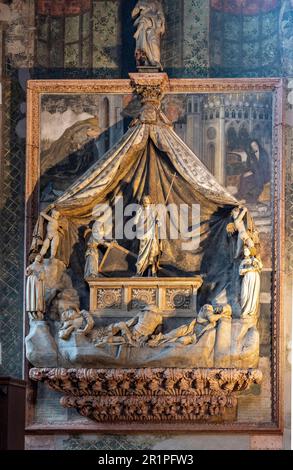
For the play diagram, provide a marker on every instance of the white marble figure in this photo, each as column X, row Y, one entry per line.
column 91, row 267
column 98, row 231
column 238, row 225
column 54, row 230
column 92, row 255
column 206, row 320
column 150, row 26
column 72, row 319
column 184, row 334
column 147, row 226
column 35, row 289
column 250, row 268
column 208, row 317
column 135, row 332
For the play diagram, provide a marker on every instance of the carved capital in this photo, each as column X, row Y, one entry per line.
column 150, row 87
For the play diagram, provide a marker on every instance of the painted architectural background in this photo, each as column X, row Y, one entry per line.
column 93, row 38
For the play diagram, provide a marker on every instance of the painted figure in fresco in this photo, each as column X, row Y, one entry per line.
column 250, row 267
column 150, row 26
column 257, row 173
column 136, row 331
column 147, row 223
column 35, row 289
column 68, row 157
column 54, row 230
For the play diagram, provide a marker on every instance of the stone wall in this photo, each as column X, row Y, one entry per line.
column 17, row 51
column 155, row 442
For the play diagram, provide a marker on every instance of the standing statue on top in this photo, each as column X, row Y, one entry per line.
column 150, row 26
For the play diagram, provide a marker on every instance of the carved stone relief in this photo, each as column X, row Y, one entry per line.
column 109, row 298
column 150, row 394
column 143, row 297
column 214, row 346
column 179, row 298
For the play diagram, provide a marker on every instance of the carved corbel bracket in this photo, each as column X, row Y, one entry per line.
column 150, row 395
column 150, row 87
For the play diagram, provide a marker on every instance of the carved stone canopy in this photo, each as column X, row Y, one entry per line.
column 156, row 395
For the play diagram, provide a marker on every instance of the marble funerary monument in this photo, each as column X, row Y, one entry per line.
column 138, row 328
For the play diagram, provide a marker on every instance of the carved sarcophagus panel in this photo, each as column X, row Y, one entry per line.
column 119, row 296
column 140, row 297
column 109, row 298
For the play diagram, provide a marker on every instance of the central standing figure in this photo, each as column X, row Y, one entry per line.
column 147, row 227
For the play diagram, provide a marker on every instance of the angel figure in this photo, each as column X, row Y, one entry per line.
column 35, row 289
column 54, row 229
column 250, row 267
column 238, row 225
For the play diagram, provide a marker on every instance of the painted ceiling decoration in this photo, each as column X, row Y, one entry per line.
column 246, row 7
column 63, row 7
